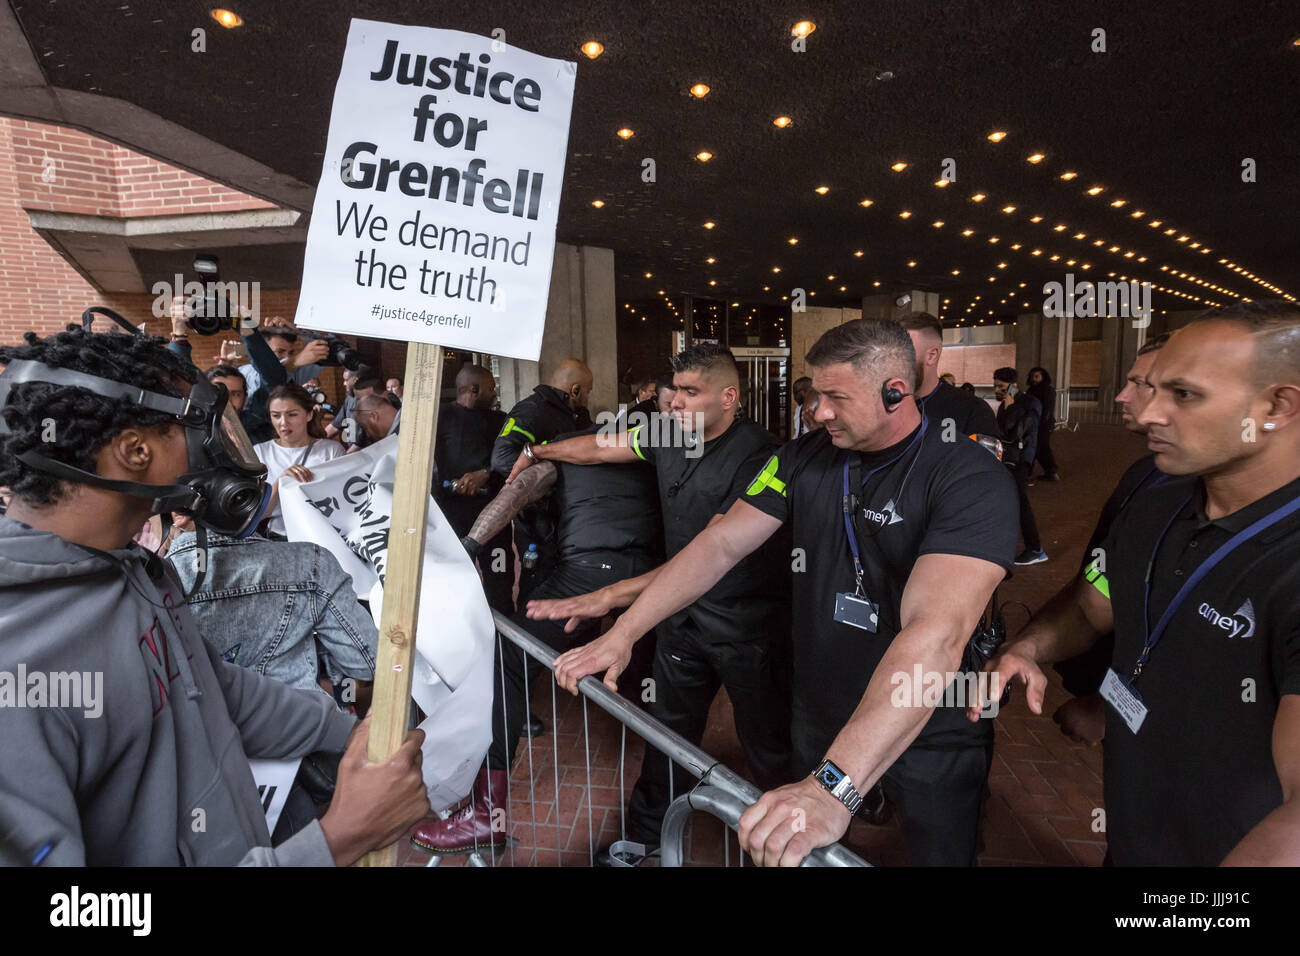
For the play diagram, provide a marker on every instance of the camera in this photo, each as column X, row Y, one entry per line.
column 340, row 353
column 212, row 313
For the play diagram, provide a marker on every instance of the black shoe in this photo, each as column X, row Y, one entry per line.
column 624, row 853
column 533, row 727
column 1032, row 557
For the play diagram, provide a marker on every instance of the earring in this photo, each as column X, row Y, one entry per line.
column 1269, row 426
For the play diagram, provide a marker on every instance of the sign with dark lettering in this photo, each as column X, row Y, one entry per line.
column 434, row 219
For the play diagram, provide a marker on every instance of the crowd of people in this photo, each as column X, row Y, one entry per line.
column 811, row 579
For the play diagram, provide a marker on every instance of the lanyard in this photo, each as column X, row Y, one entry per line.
column 849, row 504
column 1238, row 539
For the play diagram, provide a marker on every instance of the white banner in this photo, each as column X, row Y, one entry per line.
column 346, row 509
column 434, row 218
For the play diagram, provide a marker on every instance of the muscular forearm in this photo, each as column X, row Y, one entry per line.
column 886, row 720
column 1274, row 841
column 675, row 585
column 624, row 593
column 1060, row 630
column 511, row 499
column 584, row 450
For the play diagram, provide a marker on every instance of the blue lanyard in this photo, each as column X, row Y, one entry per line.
column 1208, row 565
column 848, row 500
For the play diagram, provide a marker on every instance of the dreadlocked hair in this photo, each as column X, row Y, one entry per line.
column 71, row 424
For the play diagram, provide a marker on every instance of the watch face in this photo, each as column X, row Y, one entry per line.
column 829, row 775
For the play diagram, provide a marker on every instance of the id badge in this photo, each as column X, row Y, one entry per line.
column 856, row 611
column 1124, row 699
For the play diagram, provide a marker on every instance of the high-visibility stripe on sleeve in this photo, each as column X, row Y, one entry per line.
column 634, row 440
column 513, row 426
column 1098, row 580
column 767, row 479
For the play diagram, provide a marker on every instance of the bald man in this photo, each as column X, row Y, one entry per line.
column 939, row 399
column 467, row 428
column 555, row 408
column 377, row 417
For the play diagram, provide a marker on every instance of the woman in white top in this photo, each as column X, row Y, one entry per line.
column 299, row 443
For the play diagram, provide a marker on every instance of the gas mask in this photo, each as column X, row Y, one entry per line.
column 224, row 487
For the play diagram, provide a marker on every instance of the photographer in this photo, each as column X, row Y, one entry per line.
column 177, row 725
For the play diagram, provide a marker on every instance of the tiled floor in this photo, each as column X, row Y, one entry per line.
column 1043, row 788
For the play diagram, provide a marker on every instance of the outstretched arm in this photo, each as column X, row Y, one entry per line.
column 510, row 500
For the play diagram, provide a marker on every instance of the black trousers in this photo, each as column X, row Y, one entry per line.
column 496, row 562
column 1028, row 526
column 568, row 579
column 1045, row 456
column 687, row 673
column 940, row 799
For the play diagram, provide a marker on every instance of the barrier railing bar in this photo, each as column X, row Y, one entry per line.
column 712, row 775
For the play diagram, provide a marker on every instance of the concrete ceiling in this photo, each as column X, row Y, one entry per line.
column 1163, row 119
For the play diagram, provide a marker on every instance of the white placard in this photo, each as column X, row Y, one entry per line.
column 347, row 509
column 274, row 779
column 434, row 219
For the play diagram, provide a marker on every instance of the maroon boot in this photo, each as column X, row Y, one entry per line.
column 471, row 825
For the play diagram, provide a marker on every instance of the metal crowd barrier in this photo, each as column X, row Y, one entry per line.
column 720, row 792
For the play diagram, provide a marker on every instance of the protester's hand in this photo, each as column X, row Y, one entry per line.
column 583, row 607
column 609, row 653
column 374, row 803
column 179, row 325
column 230, row 351
column 788, row 823
column 317, row 350
column 1083, row 719
column 470, row 484
column 1003, row 670
column 298, row 473
column 522, row 462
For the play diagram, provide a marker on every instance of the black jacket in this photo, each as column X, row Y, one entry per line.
column 1019, row 427
column 607, row 508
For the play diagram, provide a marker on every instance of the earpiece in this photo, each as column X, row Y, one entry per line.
column 892, row 398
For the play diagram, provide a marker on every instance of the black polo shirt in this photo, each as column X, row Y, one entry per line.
column 1199, row 773
column 971, row 414
column 692, row 489
column 937, row 498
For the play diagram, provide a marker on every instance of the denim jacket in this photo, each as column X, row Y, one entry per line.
column 261, row 603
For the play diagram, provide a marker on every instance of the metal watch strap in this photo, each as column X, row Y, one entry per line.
column 844, row 791
column 528, row 451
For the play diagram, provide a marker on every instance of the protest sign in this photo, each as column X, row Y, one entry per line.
column 347, row 510
column 434, row 218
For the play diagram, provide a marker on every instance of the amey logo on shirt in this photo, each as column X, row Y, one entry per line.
column 1239, row 624
column 886, row 515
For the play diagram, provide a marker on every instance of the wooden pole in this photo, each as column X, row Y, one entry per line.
column 391, row 703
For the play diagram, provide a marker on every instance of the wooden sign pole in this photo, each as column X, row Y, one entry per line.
column 391, row 703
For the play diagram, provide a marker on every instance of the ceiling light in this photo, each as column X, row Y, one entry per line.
column 598, row 203
column 937, row 223
column 822, row 190
column 1114, row 248
column 1059, row 227
column 625, row 133
column 1153, row 223
column 1036, row 219
column 710, row 260
column 910, row 265
column 1015, row 245
column 956, row 272
column 1002, row 265
column 858, row 253
column 227, row 18
column 899, row 166
column 1096, row 189
column 1118, row 203
column 649, row 275
column 793, row 240
column 1067, row 176
column 1008, row 209
column 830, row 278
column 993, row 238
column 709, row 225
column 1034, row 158
column 997, row 136
column 713, row 282
column 776, row 269
column 592, row 49
column 781, row 122
column 968, row 232
column 704, row 156
column 1037, row 252
column 1180, row 238
column 865, row 203
column 978, row 197
column 802, row 28
column 699, row 91
column 1099, row 242
column 904, row 214
column 1137, row 214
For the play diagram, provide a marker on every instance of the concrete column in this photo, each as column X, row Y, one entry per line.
column 580, row 323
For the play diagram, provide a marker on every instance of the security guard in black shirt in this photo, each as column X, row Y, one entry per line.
column 464, row 482
column 905, row 537
column 1200, row 580
column 552, row 409
column 734, row 632
column 941, row 402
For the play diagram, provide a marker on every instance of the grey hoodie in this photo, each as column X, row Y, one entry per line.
column 160, row 776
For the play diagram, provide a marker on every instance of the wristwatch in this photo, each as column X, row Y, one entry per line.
column 838, row 784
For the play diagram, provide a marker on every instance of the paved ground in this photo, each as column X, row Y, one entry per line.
column 1044, row 788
